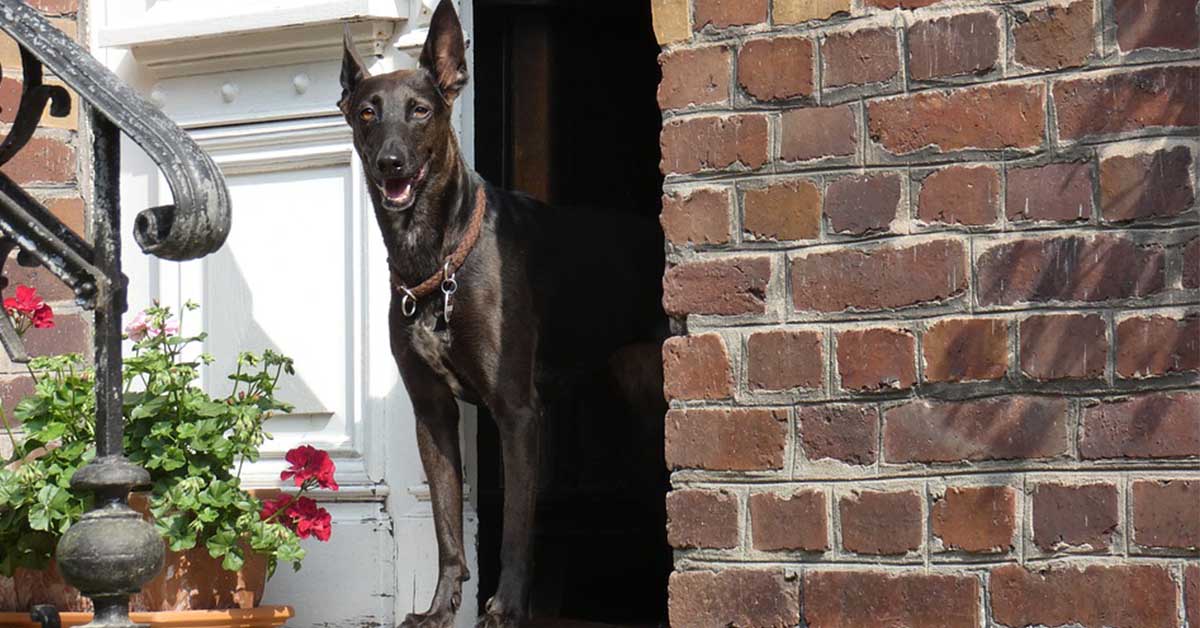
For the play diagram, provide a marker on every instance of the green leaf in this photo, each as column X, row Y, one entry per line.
column 233, row 560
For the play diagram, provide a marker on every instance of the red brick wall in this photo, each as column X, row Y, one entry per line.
column 939, row 265
column 49, row 168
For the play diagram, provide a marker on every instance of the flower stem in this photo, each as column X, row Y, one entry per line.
column 12, row 438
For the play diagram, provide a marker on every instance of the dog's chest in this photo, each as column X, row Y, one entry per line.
column 431, row 342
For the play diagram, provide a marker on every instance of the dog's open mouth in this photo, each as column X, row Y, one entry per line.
column 399, row 193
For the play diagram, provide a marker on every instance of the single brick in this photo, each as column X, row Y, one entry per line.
column 724, row 286
column 1003, row 428
column 1166, row 514
column 12, row 391
column 733, row 597
column 48, row 286
column 70, row 334
column 726, row 439
column 700, row 519
column 794, row 522
column 881, row 523
column 11, row 89
column 876, row 359
column 725, row 13
column 1069, row 268
column 1191, row 264
column 869, row 55
column 1074, row 516
column 988, row 117
column 977, row 519
column 858, row 205
column 695, row 76
column 1150, row 185
column 697, row 367
column 777, row 68
column 43, row 160
column 1153, row 425
column 816, row 132
column 846, row 433
column 697, row 217
column 714, row 143
column 1150, row 346
column 845, row 599
column 1092, row 596
column 1066, row 346
column 68, row 209
column 960, row 195
column 1054, row 192
column 966, row 349
column 797, row 11
column 785, row 359
column 785, row 210
column 55, row 7
column 974, row 38
column 1160, row 24
column 1054, row 37
column 672, row 21
column 878, row 277
column 1126, row 101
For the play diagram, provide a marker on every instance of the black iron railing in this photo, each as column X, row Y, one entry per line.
column 111, row 552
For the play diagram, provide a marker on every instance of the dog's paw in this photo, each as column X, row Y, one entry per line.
column 433, row 619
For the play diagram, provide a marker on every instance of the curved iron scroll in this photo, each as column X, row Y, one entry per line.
column 198, row 222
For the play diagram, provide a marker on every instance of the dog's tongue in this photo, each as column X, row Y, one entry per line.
column 398, row 189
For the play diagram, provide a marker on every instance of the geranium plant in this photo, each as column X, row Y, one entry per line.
column 193, row 445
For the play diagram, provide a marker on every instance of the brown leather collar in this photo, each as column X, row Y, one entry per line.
column 444, row 277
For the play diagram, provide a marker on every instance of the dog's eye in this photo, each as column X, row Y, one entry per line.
column 421, row 111
column 366, row 115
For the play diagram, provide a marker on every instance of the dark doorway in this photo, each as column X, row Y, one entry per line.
column 566, row 111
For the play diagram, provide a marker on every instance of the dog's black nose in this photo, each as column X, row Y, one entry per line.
column 390, row 164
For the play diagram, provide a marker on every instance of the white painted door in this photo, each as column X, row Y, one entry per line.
column 303, row 271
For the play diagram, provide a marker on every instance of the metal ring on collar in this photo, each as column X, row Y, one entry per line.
column 449, row 284
column 408, row 303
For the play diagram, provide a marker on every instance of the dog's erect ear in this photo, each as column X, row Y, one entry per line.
column 353, row 71
column 445, row 53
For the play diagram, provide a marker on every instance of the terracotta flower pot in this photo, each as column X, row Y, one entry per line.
column 263, row 617
column 190, row 580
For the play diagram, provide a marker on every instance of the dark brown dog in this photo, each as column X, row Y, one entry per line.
column 541, row 291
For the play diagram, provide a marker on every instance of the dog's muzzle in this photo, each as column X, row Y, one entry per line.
column 399, row 193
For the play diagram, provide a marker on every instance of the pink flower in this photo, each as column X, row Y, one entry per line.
column 142, row 326
column 136, row 329
column 310, row 463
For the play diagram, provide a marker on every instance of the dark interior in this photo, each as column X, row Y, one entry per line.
column 566, row 111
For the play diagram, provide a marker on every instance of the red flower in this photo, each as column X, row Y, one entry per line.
column 300, row 515
column 310, row 519
column 43, row 317
column 271, row 506
column 310, row 463
column 28, row 304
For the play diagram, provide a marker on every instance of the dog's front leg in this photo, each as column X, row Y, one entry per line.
column 519, row 431
column 437, row 440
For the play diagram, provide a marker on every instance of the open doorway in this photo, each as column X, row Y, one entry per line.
column 566, row 111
